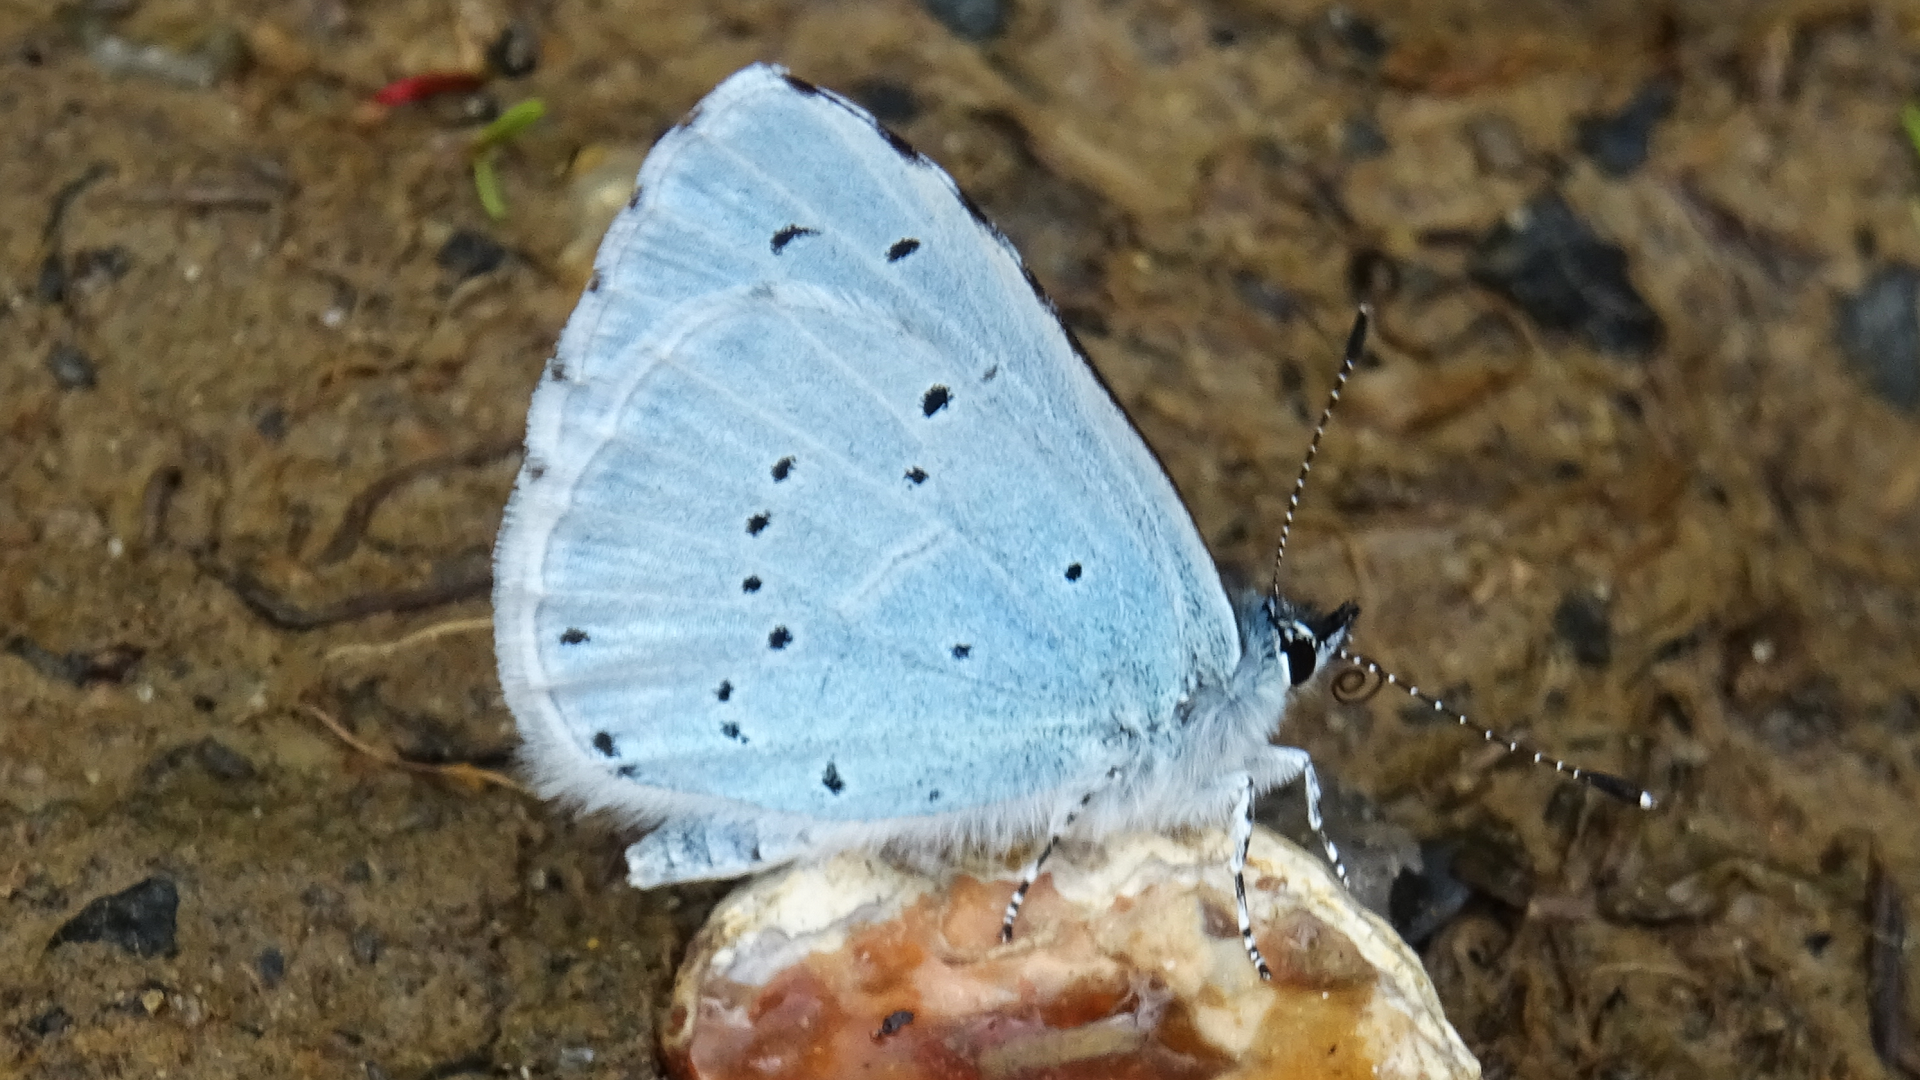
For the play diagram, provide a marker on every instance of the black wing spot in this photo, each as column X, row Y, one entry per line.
column 628, row 772
column 725, row 691
column 961, row 652
column 781, row 468
column 633, row 200
column 557, row 368
column 1073, row 572
column 758, row 523
column 831, row 778
column 934, row 795
column 573, row 636
column 935, row 399
column 786, row 236
column 752, row 584
column 535, row 470
column 732, row 731
column 801, row 85
column 991, row 373
column 780, row 638
column 603, row 742
column 917, row 474
column 593, row 283
column 902, row 248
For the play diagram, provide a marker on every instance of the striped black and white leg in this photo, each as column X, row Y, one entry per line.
column 1242, row 837
column 1032, row 872
column 1314, row 822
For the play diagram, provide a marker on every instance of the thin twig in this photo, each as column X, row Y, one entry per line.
column 374, row 649
column 457, row 770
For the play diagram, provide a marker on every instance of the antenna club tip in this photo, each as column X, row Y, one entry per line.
column 1647, row 801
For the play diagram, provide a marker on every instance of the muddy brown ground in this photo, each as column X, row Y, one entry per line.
column 252, row 273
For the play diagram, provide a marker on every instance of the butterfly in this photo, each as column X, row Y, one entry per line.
column 828, row 536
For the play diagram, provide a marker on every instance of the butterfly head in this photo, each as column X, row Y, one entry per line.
column 1306, row 640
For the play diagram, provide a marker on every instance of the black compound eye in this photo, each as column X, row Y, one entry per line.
column 1301, row 658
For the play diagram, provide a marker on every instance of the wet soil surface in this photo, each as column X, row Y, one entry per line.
column 1633, row 468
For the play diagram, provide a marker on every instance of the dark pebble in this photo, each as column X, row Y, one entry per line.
column 1360, row 36
column 271, row 966
column 1618, row 144
column 139, row 920
column 71, row 368
column 1879, row 331
column 516, row 51
column 222, row 761
column 469, row 254
column 50, row 1023
column 271, row 423
column 1422, row 901
column 1583, row 623
column 1567, row 278
column 975, row 20
column 1361, row 139
column 366, row 945
column 889, row 102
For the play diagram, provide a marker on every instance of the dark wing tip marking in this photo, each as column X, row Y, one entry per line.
column 902, row 248
column 900, row 146
column 725, row 691
column 1073, row 572
column 781, row 468
column 831, row 778
column 758, row 523
column 780, row 638
column 573, row 636
column 961, row 652
column 628, row 772
column 917, row 474
column 633, row 200
column 787, row 235
column 732, row 731
column 935, row 399
column 752, row 584
column 801, row 85
column 603, row 742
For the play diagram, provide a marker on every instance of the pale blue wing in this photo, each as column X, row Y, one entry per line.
column 822, row 514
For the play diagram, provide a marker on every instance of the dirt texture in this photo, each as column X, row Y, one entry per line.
column 1608, row 478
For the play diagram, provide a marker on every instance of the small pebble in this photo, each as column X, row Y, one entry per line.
column 516, row 52
column 140, row 920
column 469, row 254
column 366, row 945
column 1583, row 623
column 1566, row 278
column 1619, row 143
column 271, row 966
column 71, row 368
column 974, row 20
column 1879, row 331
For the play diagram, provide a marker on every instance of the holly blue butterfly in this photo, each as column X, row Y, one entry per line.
column 828, row 536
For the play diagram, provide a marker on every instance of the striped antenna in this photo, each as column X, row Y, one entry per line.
column 1605, row 783
column 1356, row 345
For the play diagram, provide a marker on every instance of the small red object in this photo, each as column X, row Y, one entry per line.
column 418, row 87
